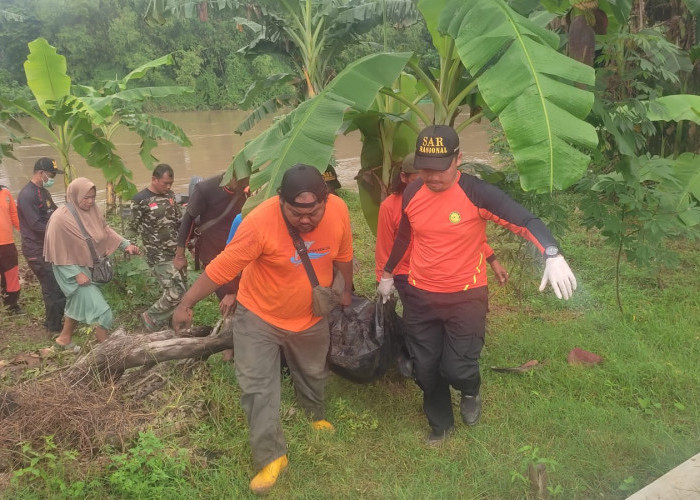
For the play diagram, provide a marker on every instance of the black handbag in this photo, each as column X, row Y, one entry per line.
column 102, row 270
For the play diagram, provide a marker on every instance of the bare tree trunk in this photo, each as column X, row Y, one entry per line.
column 111, row 198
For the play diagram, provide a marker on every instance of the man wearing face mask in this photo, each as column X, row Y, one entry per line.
column 34, row 207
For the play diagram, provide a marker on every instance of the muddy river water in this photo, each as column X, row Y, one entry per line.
column 213, row 145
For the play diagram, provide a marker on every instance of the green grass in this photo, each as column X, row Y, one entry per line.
column 604, row 430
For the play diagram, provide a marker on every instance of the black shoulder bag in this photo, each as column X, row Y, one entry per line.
column 323, row 298
column 102, row 270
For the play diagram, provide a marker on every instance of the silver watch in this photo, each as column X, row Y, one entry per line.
column 551, row 251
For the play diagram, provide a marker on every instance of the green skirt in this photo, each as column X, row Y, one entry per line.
column 83, row 303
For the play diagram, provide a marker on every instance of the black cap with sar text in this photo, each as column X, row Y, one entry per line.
column 302, row 179
column 47, row 165
column 436, row 146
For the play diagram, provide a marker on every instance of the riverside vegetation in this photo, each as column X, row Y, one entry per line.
column 601, row 431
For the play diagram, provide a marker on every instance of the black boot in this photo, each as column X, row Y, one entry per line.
column 470, row 408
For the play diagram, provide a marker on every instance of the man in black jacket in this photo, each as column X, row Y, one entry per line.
column 34, row 207
column 216, row 206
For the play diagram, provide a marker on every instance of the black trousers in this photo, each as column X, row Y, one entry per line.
column 54, row 300
column 444, row 336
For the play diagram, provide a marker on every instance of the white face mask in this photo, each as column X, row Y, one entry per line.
column 48, row 182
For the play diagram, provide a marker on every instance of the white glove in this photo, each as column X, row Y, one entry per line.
column 558, row 273
column 386, row 288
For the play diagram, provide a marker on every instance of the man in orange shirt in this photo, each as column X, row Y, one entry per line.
column 446, row 303
column 390, row 212
column 9, row 270
column 274, row 307
column 388, row 226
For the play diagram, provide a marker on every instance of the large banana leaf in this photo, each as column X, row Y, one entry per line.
column 431, row 10
column 141, row 71
column 675, row 108
column 46, row 74
column 158, row 9
column 11, row 129
column 103, row 105
column 678, row 179
column 23, row 107
column 687, row 170
column 531, row 87
column 307, row 134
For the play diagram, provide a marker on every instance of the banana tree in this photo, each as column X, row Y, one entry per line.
column 120, row 107
column 499, row 64
column 388, row 131
column 518, row 72
column 85, row 123
column 512, row 62
column 312, row 32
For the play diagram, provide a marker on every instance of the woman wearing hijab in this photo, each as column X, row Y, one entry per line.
column 66, row 248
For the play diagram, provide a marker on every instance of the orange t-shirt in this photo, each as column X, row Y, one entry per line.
column 387, row 227
column 449, row 249
column 275, row 285
column 8, row 217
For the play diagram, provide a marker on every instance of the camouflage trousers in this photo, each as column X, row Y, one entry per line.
column 174, row 284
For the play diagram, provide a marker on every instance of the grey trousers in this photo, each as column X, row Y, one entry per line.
column 257, row 360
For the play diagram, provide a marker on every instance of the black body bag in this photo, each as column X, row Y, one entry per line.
column 361, row 339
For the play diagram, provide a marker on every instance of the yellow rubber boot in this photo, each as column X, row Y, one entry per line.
column 267, row 477
column 322, row 425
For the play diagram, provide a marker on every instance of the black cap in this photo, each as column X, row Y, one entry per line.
column 47, row 165
column 435, row 147
column 302, row 179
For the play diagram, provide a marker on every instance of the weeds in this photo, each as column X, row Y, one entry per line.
column 148, row 470
column 46, row 470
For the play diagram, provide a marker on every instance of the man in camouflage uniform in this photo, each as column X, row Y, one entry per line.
column 155, row 217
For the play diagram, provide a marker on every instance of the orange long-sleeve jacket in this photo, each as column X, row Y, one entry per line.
column 8, row 216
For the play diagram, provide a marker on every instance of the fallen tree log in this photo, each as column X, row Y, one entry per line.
column 108, row 361
column 76, row 404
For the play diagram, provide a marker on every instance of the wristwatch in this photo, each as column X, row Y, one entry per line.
column 551, row 251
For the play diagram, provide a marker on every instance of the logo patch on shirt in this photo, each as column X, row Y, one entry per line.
column 153, row 206
column 455, row 217
column 322, row 252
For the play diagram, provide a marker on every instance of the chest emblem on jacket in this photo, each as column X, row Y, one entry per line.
column 455, row 217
